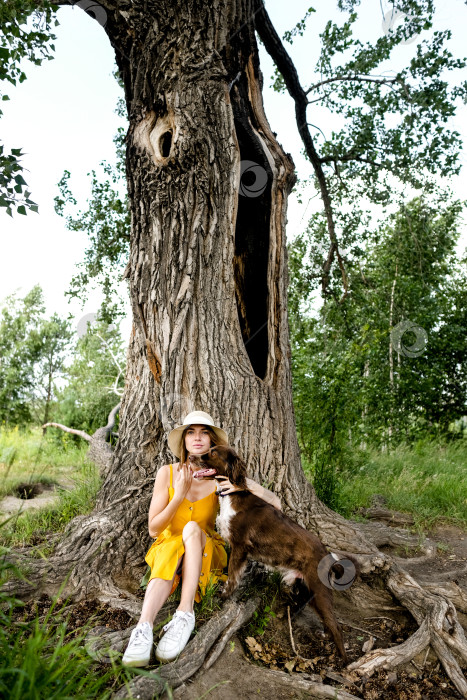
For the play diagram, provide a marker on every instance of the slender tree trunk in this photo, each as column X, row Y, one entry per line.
column 391, row 360
column 49, row 394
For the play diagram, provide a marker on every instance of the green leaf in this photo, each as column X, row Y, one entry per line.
column 22, row 210
column 20, row 180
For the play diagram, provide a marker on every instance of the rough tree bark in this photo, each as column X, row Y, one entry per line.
column 207, row 276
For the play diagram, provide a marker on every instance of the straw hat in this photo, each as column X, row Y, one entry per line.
column 194, row 418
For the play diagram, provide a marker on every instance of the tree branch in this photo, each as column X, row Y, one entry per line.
column 348, row 156
column 358, row 78
column 284, row 63
column 81, row 433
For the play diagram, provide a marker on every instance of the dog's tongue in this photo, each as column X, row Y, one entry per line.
column 203, row 472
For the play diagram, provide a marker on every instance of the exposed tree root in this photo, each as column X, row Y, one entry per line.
column 450, row 575
column 297, row 681
column 382, row 535
column 390, row 516
column 432, row 605
column 387, row 659
column 104, row 645
column 211, row 639
column 438, row 627
column 124, row 601
column 449, row 590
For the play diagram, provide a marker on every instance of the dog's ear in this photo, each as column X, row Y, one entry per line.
column 237, row 470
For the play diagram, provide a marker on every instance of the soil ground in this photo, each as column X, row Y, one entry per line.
column 48, row 496
column 233, row 676
column 242, row 669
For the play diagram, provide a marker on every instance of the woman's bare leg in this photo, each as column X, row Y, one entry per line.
column 157, row 592
column 194, row 541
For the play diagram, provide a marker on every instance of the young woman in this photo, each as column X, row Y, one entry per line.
column 181, row 518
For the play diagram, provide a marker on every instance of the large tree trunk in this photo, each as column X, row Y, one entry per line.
column 207, row 275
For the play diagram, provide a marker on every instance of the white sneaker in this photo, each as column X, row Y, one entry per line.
column 177, row 634
column 139, row 647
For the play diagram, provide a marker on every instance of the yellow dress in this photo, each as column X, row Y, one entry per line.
column 167, row 548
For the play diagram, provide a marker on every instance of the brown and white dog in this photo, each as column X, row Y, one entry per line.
column 256, row 530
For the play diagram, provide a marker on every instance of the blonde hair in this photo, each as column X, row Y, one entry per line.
column 183, row 451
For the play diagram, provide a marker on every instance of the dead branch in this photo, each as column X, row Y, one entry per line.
column 99, row 451
column 286, row 67
column 80, row 433
column 391, row 516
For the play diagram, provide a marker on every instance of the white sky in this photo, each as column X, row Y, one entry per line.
column 63, row 117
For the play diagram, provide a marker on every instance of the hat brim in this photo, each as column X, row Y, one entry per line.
column 175, row 436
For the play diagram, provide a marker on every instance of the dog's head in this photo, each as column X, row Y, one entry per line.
column 220, row 461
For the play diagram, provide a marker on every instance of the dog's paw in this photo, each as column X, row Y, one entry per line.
column 225, row 592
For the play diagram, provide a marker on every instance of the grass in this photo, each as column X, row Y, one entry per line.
column 31, row 457
column 50, row 459
column 32, row 527
column 427, row 480
column 43, row 660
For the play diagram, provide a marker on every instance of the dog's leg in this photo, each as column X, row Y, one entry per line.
column 237, row 565
column 299, row 596
column 322, row 601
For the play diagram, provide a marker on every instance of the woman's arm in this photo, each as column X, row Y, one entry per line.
column 161, row 511
column 268, row 496
column 263, row 493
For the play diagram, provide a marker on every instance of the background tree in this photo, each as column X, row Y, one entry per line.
column 52, row 338
column 360, row 375
column 95, row 378
column 19, row 41
column 106, row 220
column 20, row 350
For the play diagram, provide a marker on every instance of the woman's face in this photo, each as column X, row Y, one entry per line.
column 197, row 439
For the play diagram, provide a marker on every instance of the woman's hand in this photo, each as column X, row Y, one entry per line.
column 224, row 486
column 182, row 482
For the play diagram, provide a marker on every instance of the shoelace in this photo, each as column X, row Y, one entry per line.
column 178, row 618
column 141, row 637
